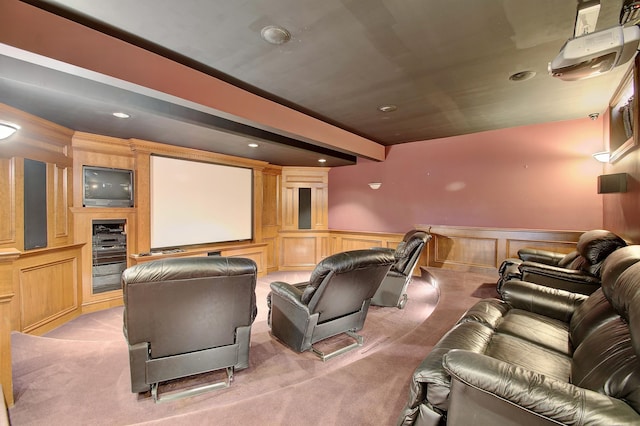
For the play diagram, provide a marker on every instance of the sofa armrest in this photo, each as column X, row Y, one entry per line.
column 553, row 276
column 290, row 293
column 540, row 256
column 540, row 299
column 500, row 387
column 286, row 309
column 430, row 383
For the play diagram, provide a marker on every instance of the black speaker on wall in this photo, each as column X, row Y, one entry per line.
column 35, row 204
column 613, row 183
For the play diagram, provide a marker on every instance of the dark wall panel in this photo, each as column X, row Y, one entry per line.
column 35, row 204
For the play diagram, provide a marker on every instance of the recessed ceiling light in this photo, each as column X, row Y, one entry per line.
column 275, row 35
column 322, row 160
column 253, row 145
column 121, row 115
column 387, row 108
column 522, row 75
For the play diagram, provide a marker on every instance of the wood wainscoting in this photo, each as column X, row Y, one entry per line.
column 483, row 249
column 452, row 247
column 303, row 250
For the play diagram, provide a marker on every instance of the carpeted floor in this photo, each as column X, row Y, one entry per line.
column 79, row 374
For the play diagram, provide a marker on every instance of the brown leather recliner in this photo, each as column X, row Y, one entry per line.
column 335, row 300
column 187, row 316
column 577, row 271
column 540, row 356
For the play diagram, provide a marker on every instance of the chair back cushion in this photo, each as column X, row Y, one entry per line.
column 342, row 282
column 595, row 246
column 606, row 360
column 409, row 250
column 187, row 304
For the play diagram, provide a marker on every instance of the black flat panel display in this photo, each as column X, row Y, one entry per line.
column 35, row 204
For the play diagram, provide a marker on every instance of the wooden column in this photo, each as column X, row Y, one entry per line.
column 7, row 259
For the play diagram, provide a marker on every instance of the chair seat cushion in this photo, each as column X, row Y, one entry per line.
column 529, row 355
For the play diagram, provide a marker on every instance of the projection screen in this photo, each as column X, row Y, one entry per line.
column 197, row 203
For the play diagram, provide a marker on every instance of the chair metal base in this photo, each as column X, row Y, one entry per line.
column 359, row 340
column 192, row 391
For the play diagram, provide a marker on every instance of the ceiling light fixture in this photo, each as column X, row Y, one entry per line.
column 322, row 160
column 387, row 108
column 594, row 116
column 375, row 185
column 7, row 130
column 275, row 35
column 253, row 145
column 522, row 75
column 602, row 156
column 121, row 115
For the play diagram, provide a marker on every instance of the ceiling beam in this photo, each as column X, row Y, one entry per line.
column 34, row 30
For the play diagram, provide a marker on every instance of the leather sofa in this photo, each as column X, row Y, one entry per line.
column 539, row 356
column 186, row 316
column 577, row 271
column 393, row 290
column 335, row 300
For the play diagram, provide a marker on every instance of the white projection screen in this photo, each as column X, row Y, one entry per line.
column 197, row 203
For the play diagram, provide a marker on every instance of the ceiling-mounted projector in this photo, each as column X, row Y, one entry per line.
column 595, row 53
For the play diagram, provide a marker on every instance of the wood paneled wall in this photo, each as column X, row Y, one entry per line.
column 270, row 213
column 484, row 249
column 38, row 288
column 451, row 247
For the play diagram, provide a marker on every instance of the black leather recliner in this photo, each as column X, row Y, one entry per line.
column 577, row 271
column 187, row 316
column 539, row 356
column 393, row 290
column 335, row 300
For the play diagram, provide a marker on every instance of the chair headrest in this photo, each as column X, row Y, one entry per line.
column 188, row 267
column 597, row 244
column 344, row 262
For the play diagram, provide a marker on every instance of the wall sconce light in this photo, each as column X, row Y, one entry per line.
column 602, row 156
column 375, row 185
column 7, row 130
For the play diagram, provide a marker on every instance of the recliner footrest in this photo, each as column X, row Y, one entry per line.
column 359, row 340
column 192, row 391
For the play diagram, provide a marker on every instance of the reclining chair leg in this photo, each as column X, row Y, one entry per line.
column 359, row 340
column 193, row 391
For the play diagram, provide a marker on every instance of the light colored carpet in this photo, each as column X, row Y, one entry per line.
column 79, row 374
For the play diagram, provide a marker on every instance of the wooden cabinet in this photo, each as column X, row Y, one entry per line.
column 85, row 217
column 305, row 198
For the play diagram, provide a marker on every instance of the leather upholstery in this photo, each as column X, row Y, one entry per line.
column 393, row 290
column 539, row 356
column 334, row 300
column 578, row 271
column 185, row 316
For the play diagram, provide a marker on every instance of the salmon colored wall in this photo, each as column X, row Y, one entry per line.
column 530, row 177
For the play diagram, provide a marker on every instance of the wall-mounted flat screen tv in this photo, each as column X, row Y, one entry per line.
column 107, row 187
